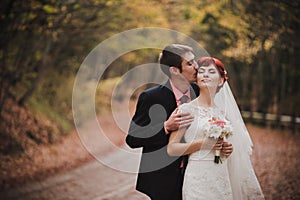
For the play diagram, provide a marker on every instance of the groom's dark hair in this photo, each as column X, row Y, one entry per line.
column 171, row 56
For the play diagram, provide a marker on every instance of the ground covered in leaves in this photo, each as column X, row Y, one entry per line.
column 275, row 156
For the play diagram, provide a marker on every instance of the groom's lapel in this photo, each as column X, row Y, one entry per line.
column 169, row 96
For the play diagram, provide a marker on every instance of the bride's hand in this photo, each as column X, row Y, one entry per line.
column 227, row 149
column 213, row 144
column 219, row 144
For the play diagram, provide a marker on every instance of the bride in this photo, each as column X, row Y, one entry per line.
column 233, row 177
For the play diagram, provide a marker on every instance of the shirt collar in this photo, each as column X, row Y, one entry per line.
column 178, row 94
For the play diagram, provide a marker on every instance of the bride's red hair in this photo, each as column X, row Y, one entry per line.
column 206, row 61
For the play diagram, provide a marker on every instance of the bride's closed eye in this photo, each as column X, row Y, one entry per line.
column 211, row 71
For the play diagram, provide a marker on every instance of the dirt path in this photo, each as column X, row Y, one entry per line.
column 275, row 161
column 91, row 181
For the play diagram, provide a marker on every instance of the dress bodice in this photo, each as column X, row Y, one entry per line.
column 195, row 131
column 208, row 180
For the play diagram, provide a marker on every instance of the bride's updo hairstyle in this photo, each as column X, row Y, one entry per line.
column 206, row 61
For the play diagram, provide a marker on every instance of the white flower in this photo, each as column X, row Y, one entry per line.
column 215, row 128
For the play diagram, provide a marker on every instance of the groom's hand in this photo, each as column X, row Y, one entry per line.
column 227, row 149
column 178, row 120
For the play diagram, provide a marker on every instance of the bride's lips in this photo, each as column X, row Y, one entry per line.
column 205, row 80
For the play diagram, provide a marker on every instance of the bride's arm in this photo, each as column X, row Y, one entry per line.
column 176, row 148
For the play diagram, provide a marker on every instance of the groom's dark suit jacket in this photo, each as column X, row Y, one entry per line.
column 160, row 176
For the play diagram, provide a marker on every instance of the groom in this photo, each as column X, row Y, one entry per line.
column 161, row 176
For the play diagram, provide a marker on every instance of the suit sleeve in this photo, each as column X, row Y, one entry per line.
column 147, row 125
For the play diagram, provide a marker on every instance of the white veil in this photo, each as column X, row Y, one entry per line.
column 242, row 176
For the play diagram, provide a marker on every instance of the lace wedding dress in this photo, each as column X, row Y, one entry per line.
column 205, row 179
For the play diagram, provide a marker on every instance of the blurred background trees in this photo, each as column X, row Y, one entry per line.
column 43, row 43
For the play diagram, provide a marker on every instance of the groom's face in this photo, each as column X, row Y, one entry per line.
column 189, row 66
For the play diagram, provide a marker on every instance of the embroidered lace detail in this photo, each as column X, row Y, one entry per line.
column 196, row 129
column 206, row 180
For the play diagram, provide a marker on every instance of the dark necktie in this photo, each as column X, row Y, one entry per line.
column 183, row 99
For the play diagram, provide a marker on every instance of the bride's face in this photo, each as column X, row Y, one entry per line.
column 209, row 77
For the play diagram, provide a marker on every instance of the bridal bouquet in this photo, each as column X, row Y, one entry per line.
column 216, row 128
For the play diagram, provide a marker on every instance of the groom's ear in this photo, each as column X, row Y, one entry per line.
column 174, row 70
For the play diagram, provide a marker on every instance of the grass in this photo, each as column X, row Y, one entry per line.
column 103, row 95
column 42, row 109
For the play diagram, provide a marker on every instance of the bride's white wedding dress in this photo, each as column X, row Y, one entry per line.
column 207, row 180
